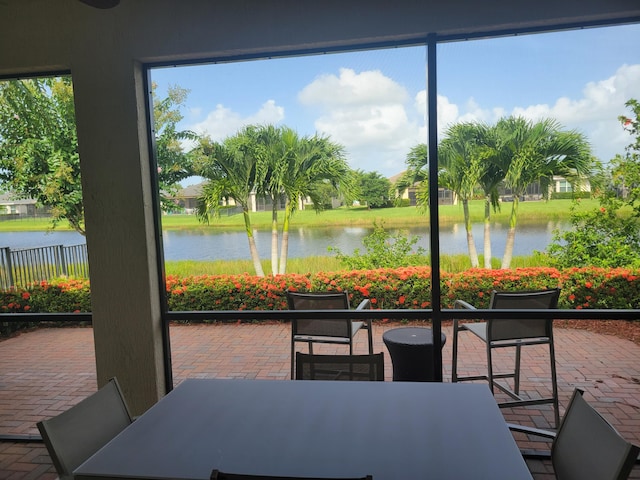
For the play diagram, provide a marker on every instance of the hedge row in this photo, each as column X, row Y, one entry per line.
column 408, row 287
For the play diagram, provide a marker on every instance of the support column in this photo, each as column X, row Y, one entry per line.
column 114, row 154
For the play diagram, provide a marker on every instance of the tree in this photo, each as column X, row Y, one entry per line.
column 174, row 164
column 417, row 172
column 609, row 235
column 375, row 189
column 312, row 164
column 463, row 156
column 530, row 152
column 274, row 162
column 461, row 162
column 626, row 171
column 39, row 147
column 233, row 172
column 604, row 237
column 268, row 143
column 490, row 179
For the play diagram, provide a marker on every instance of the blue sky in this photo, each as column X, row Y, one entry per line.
column 374, row 102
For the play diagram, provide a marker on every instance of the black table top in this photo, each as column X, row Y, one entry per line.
column 410, row 336
column 391, row 430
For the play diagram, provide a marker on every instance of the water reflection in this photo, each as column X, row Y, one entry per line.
column 214, row 244
column 303, row 242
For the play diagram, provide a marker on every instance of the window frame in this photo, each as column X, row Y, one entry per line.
column 436, row 314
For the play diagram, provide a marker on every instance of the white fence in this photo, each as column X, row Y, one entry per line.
column 24, row 266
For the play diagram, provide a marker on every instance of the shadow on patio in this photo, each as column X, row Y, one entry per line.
column 45, row 371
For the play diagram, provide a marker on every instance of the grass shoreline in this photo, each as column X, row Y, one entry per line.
column 528, row 212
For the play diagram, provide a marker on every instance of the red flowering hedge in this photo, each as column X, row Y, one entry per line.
column 59, row 296
column 407, row 287
column 232, row 292
column 475, row 285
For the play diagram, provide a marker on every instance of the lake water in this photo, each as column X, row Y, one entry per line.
column 211, row 244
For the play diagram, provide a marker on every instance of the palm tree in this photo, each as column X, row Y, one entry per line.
column 312, row 162
column 460, row 159
column 417, row 162
column 234, row 172
column 274, row 162
column 273, row 145
column 294, row 168
column 533, row 152
column 491, row 178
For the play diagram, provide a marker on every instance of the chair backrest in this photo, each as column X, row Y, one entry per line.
column 587, row 446
column 79, row 432
column 340, row 367
column 218, row 475
column 320, row 301
column 514, row 328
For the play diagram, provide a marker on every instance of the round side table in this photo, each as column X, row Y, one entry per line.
column 411, row 351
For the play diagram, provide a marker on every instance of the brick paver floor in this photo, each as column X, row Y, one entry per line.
column 45, row 371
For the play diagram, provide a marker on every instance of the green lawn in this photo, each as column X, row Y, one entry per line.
column 354, row 216
column 360, row 216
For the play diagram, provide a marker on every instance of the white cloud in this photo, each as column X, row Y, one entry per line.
column 352, row 89
column 449, row 113
column 223, row 122
column 378, row 122
column 596, row 112
column 367, row 113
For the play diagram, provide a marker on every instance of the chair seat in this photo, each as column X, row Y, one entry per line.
column 320, row 339
column 355, row 326
column 479, row 329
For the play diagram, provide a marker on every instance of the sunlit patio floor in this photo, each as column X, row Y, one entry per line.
column 45, row 371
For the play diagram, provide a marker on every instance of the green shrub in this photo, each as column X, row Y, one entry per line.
column 603, row 237
column 383, row 250
column 569, row 195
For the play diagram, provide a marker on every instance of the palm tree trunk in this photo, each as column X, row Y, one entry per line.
column 471, row 244
column 511, row 234
column 253, row 250
column 274, row 235
column 487, row 233
column 284, row 246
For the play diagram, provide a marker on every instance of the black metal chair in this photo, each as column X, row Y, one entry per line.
column 337, row 331
column 586, row 445
column 340, row 367
column 79, row 432
column 218, row 475
column 513, row 332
